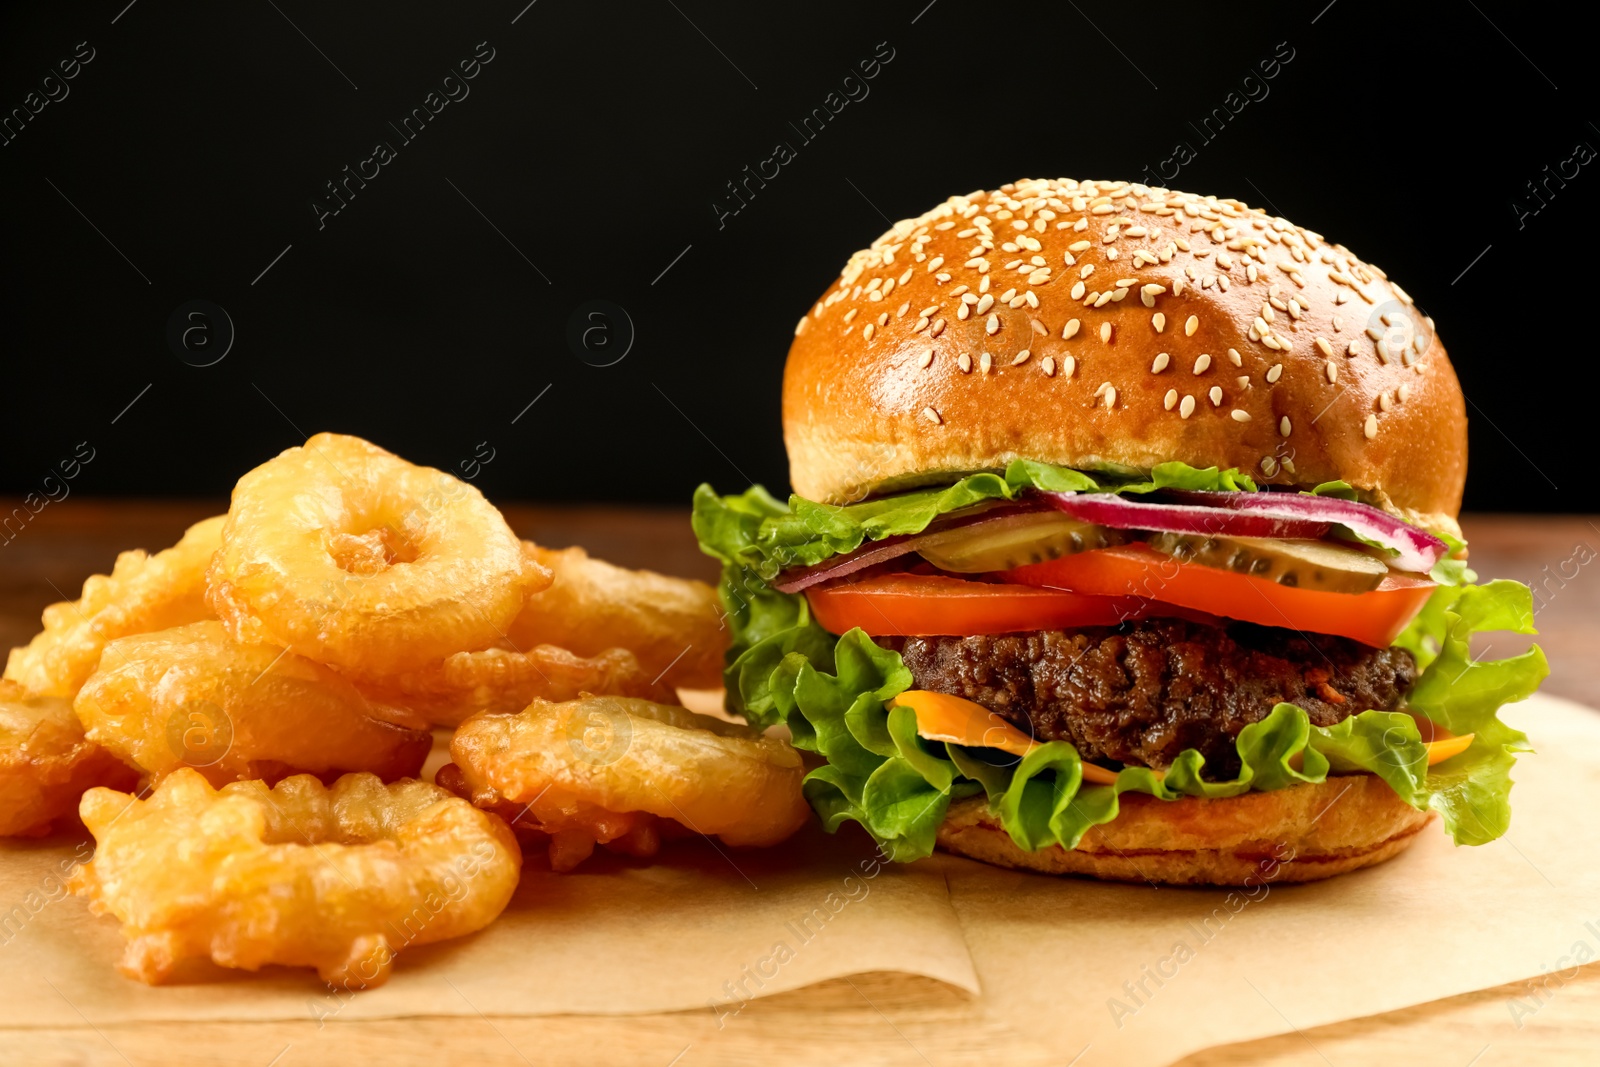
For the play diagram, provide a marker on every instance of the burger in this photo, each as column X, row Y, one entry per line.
column 1123, row 543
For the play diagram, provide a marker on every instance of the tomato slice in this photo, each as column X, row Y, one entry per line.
column 927, row 605
column 1374, row 618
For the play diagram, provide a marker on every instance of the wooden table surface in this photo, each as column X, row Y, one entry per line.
column 866, row 1019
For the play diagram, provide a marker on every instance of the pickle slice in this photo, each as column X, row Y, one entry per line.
column 1305, row 564
column 1016, row 540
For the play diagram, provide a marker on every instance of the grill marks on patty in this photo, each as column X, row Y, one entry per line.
column 1143, row 692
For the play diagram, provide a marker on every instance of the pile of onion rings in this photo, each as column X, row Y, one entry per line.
column 274, row 679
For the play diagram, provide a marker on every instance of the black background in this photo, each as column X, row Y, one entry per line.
column 584, row 165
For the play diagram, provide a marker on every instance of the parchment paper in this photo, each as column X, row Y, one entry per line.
column 1202, row 970
column 1050, row 956
column 709, row 928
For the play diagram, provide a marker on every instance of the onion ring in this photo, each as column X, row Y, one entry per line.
column 353, row 557
column 46, row 763
column 673, row 626
column 505, row 680
column 337, row 878
column 142, row 593
column 192, row 696
column 616, row 770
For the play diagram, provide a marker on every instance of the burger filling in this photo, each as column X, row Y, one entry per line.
column 1054, row 638
column 1144, row 692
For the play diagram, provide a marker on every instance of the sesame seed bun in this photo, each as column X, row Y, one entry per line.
column 1300, row 834
column 1106, row 325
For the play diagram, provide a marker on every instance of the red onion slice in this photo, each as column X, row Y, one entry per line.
column 805, row 577
column 1109, row 509
column 1416, row 549
column 794, row 581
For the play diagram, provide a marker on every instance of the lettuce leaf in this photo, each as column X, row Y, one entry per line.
column 831, row 692
column 756, row 531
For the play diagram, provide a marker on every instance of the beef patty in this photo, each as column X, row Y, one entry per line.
column 1143, row 692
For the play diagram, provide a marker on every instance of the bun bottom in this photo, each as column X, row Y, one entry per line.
column 1300, row 834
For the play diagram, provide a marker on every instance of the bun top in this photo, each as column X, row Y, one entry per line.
column 1108, row 325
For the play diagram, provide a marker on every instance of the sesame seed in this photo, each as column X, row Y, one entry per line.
column 926, row 358
column 1202, row 364
column 848, row 315
column 1160, row 363
column 1127, row 282
column 1190, row 325
column 992, row 326
column 985, row 303
column 1242, row 381
column 964, row 361
column 1284, row 426
column 937, row 328
column 1324, row 347
column 1216, row 396
column 1274, row 373
column 922, row 324
column 1070, row 330
column 1186, row 408
column 1384, row 401
column 1235, row 358
column 1111, row 397
column 1269, row 466
column 962, row 311
column 866, row 331
column 1371, row 427
column 985, row 361
column 1403, row 392
column 1068, row 365
column 1105, row 332
column 1077, row 290
column 1048, row 365
column 1039, row 277
column 1240, row 416
column 1039, row 327
column 1159, row 321
column 1170, row 400
column 929, row 310
column 931, row 415
column 1104, row 298
column 1021, row 357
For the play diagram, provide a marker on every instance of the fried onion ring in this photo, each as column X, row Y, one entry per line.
column 506, row 680
column 673, row 626
column 192, row 696
column 353, row 557
column 338, row 878
column 46, row 763
column 142, row 593
column 616, row 770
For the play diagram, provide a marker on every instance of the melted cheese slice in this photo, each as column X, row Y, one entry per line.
column 942, row 717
